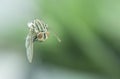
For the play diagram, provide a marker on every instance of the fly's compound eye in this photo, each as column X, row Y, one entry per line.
column 40, row 36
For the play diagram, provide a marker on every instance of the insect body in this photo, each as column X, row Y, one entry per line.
column 38, row 31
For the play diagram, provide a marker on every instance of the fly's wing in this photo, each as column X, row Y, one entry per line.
column 29, row 46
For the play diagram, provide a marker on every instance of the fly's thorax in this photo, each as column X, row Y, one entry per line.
column 40, row 25
column 42, row 36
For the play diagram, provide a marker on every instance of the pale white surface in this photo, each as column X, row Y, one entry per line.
column 12, row 65
column 16, row 12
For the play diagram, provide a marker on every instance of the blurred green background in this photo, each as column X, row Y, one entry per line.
column 90, row 34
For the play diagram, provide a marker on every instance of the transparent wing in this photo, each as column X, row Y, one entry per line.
column 29, row 46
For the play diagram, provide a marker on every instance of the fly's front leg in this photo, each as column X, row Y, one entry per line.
column 34, row 38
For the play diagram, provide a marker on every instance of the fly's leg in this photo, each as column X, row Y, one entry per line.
column 59, row 40
column 57, row 37
column 34, row 38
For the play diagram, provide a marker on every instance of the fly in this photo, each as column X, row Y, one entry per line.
column 38, row 31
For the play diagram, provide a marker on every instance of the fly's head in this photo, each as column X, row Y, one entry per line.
column 42, row 36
